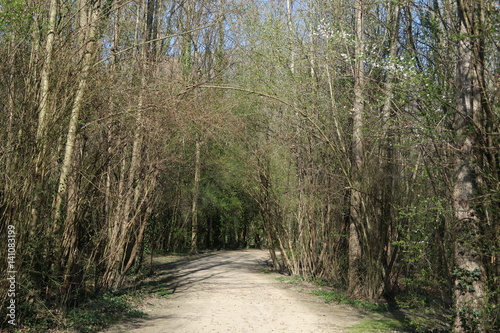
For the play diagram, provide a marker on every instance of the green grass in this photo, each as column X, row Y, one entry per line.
column 385, row 324
column 266, row 270
column 377, row 325
column 110, row 308
column 290, row 279
column 339, row 296
column 333, row 295
column 101, row 312
column 163, row 293
column 384, row 321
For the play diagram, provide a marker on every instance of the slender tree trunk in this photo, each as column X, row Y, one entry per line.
column 289, row 23
column 356, row 215
column 69, row 247
column 312, row 49
column 10, row 125
column 43, row 112
column 109, row 131
column 194, row 206
column 469, row 272
column 88, row 35
column 46, row 69
column 67, row 187
column 139, row 235
column 121, row 249
column 388, row 164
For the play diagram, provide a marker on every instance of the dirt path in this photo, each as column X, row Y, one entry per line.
column 228, row 292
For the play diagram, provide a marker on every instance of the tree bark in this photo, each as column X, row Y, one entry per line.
column 469, row 272
column 289, row 23
column 46, row 69
column 43, row 112
column 120, row 250
column 196, row 192
column 388, row 155
column 355, row 222
column 88, row 36
column 68, row 240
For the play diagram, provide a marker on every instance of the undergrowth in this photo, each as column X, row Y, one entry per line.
column 340, row 297
column 101, row 312
column 379, row 325
column 92, row 315
column 415, row 313
column 331, row 293
column 96, row 312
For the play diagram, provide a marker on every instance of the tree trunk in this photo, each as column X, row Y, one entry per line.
column 194, row 206
column 88, row 36
column 355, row 222
column 69, row 241
column 70, row 237
column 120, row 250
column 43, row 112
column 388, row 159
column 289, row 23
column 46, row 69
column 469, row 272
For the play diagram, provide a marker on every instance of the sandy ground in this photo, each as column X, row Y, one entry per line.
column 228, row 292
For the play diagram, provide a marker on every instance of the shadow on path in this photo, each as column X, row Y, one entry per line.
column 181, row 275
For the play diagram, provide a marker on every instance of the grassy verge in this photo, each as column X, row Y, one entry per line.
column 92, row 315
column 112, row 308
column 405, row 318
column 384, row 321
column 378, row 325
column 104, row 310
column 340, row 297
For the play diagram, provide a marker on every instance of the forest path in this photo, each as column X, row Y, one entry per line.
column 228, row 292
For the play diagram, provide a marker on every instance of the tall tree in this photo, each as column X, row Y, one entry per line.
column 196, row 195
column 469, row 271
column 386, row 219
column 46, row 70
column 90, row 14
column 357, row 154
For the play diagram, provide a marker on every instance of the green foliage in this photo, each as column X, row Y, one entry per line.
column 424, row 245
column 340, row 297
column 416, row 315
column 295, row 279
column 493, row 315
column 428, row 319
column 470, row 319
column 93, row 315
column 101, row 312
column 38, row 317
column 377, row 325
column 333, row 295
column 14, row 16
column 266, row 270
column 318, row 281
column 164, row 293
column 465, row 279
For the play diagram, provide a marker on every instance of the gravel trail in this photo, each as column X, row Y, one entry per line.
column 228, row 292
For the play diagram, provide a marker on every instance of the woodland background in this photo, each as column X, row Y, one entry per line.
column 358, row 140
